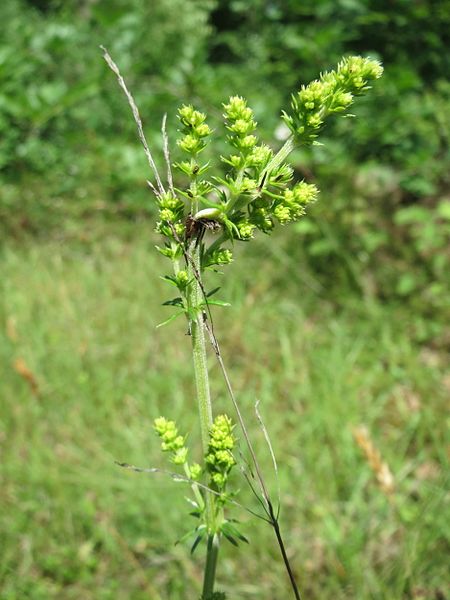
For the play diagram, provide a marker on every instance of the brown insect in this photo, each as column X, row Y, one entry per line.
column 198, row 227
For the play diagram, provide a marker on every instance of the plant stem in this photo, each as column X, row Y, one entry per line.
column 210, row 567
column 287, row 564
column 195, row 300
column 280, row 156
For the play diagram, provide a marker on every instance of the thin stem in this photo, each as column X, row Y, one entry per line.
column 210, row 567
column 197, row 325
column 195, row 299
column 273, row 519
column 235, row 195
column 280, row 156
column 137, row 118
column 194, row 487
column 287, row 564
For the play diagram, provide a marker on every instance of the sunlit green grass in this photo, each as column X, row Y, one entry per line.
column 79, row 315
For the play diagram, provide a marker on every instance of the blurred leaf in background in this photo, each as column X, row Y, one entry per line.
column 68, row 147
column 66, row 134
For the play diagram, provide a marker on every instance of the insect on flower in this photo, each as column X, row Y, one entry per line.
column 197, row 227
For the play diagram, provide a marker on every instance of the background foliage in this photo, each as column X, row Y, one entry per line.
column 75, row 216
column 68, row 146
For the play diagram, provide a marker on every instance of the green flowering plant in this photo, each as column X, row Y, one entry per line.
column 200, row 223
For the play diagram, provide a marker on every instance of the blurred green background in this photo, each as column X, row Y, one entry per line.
column 338, row 321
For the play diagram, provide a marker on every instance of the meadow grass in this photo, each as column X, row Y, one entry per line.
column 84, row 372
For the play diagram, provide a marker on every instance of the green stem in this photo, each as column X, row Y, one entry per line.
column 194, row 487
column 195, row 299
column 280, row 156
column 210, row 567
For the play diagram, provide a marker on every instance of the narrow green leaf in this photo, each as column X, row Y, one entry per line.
column 212, row 292
column 234, row 531
column 169, row 279
column 217, row 303
column 192, row 502
column 230, row 539
column 210, row 203
column 171, row 318
column 186, row 536
column 198, row 539
column 174, row 302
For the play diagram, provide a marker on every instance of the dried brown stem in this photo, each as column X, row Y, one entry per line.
column 112, row 65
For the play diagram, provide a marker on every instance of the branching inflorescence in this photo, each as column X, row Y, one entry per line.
column 257, row 192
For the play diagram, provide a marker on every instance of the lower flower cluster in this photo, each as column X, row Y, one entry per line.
column 219, row 458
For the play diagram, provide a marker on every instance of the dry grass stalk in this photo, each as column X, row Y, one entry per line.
column 21, row 367
column 380, row 468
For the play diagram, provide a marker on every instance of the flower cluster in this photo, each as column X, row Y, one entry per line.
column 173, row 442
column 219, row 256
column 194, row 128
column 256, row 194
column 258, row 191
column 332, row 93
column 219, row 458
column 292, row 205
column 171, row 215
column 240, row 122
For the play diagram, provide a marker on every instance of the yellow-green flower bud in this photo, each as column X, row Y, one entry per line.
column 332, row 93
column 171, row 441
column 179, row 457
column 262, row 220
column 242, row 127
column 190, row 143
column 203, row 130
column 190, row 117
column 221, row 256
column 260, row 155
column 248, row 142
column 178, row 442
column 169, row 435
column 282, row 213
column 167, row 200
column 161, row 424
column 210, row 458
column 167, row 215
column 305, row 193
column 225, row 458
column 245, row 229
column 182, row 278
column 195, row 471
column 236, row 161
column 180, row 229
column 248, row 184
column 237, row 109
column 219, row 479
